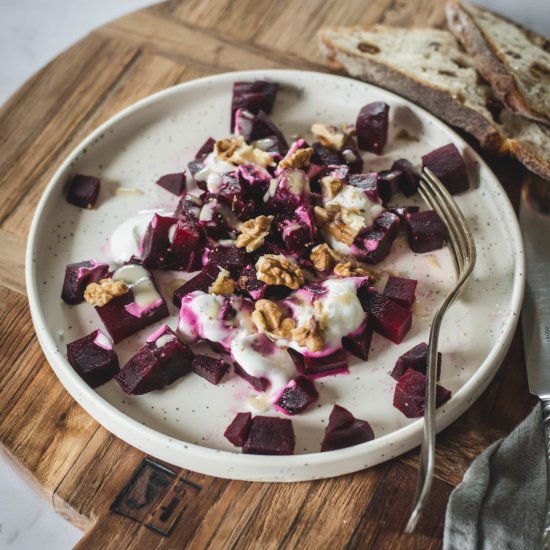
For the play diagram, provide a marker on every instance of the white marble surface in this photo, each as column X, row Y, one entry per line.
column 31, row 33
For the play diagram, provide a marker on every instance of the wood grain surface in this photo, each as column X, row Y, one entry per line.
column 118, row 496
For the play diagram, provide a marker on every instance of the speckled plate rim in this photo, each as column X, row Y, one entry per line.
column 252, row 467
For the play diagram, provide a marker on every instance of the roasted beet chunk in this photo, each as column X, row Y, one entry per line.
column 408, row 183
column 201, row 281
column 162, row 360
column 228, row 257
column 448, row 165
column 358, row 342
column 409, row 396
column 93, row 358
column 425, row 231
column 417, row 359
column 250, row 284
column 344, row 430
column 368, row 182
column 253, row 127
column 173, row 183
column 401, row 290
column 78, row 276
column 372, row 127
column 237, row 431
column 270, row 436
column 83, row 191
column 209, row 368
column 206, row 148
column 325, row 365
column 389, row 183
column 388, row 318
column 156, row 242
column 254, row 97
column 298, row 395
column 375, row 245
column 259, row 384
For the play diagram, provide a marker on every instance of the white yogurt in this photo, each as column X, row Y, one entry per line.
column 139, row 281
column 213, row 171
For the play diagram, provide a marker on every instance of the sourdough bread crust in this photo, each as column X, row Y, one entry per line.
column 493, row 68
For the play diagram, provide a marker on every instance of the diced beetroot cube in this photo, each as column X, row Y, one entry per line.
column 409, row 396
column 375, row 245
column 425, row 231
column 296, row 234
column 194, row 167
column 206, row 148
column 216, row 218
column 162, row 360
column 250, row 284
column 372, row 127
column 173, row 183
column 259, row 384
column 324, row 365
column 298, row 395
column 351, row 156
column 186, row 242
column 359, row 341
column 83, row 191
column 201, row 281
column 389, row 183
column 417, row 359
column 156, row 242
column 290, row 187
column 122, row 317
column 368, row 183
column 93, row 358
column 253, row 127
column 189, row 206
column 344, row 430
column 254, row 97
column 388, row 318
column 254, row 179
column 270, row 436
column 324, row 156
column 402, row 211
column 410, row 177
column 448, row 165
column 209, row 368
column 228, row 257
column 78, row 276
column 237, row 431
column 401, row 290
column 388, row 222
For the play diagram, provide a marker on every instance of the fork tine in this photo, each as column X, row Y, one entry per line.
column 464, row 254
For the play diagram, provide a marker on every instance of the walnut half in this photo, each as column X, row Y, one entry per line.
column 224, row 285
column 323, row 257
column 310, row 335
column 276, row 269
column 351, row 269
column 99, row 294
column 268, row 318
column 298, row 159
column 339, row 222
column 254, row 232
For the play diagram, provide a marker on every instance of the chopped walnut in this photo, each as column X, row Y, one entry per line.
column 341, row 223
column 351, row 269
column 237, row 151
column 99, row 294
column 329, row 136
column 310, row 335
column 323, row 256
column 298, row 159
column 331, row 186
column 254, row 232
column 276, row 269
column 224, row 285
column 268, row 318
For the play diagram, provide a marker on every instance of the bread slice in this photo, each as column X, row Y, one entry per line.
column 510, row 58
column 429, row 67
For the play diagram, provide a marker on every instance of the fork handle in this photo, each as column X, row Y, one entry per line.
column 546, row 417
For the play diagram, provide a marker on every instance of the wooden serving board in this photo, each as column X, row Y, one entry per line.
column 118, row 496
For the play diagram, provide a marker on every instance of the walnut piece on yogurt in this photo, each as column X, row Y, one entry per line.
column 254, row 232
column 343, row 224
column 276, row 269
column 323, row 257
column 223, row 285
column 237, row 151
column 268, row 318
column 298, row 159
column 99, row 294
column 351, row 269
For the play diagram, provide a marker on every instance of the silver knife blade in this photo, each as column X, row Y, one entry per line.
column 534, row 218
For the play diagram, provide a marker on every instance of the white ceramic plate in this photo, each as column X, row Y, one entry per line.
column 184, row 423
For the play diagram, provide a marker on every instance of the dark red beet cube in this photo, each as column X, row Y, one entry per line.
column 388, row 318
column 408, row 184
column 78, row 276
column 189, row 207
column 372, row 127
column 417, row 359
column 325, row 365
column 324, row 156
column 250, row 284
column 296, row 234
column 259, row 384
column 93, row 358
column 254, row 180
column 351, row 156
column 254, row 97
column 186, row 244
column 206, row 148
column 162, row 360
column 260, row 126
column 209, row 368
column 156, row 242
column 237, row 431
column 401, row 290
column 425, row 231
column 344, row 430
column 389, row 183
column 448, row 165
column 270, row 436
column 298, row 395
column 227, row 257
column 201, row 281
column 173, row 183
column 368, row 182
column 359, row 341
column 83, row 191
column 409, row 396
